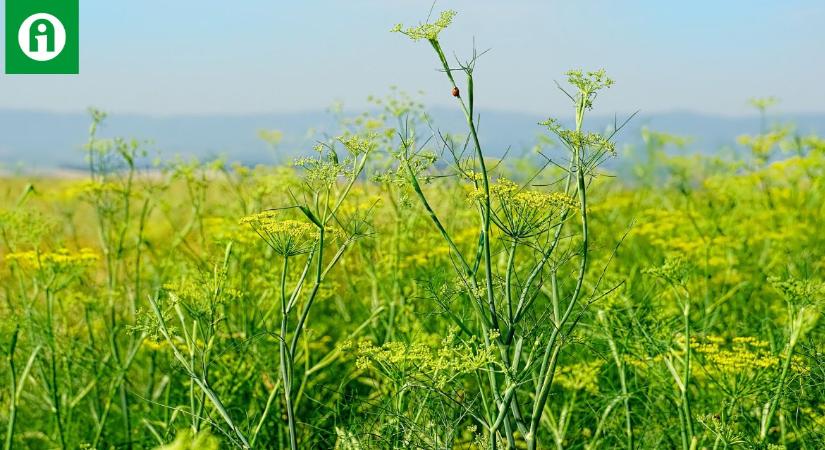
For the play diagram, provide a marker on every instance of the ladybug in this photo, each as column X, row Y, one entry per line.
column 456, row 93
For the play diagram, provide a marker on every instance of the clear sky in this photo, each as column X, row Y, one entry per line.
column 246, row 56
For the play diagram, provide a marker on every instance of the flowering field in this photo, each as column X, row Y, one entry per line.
column 398, row 289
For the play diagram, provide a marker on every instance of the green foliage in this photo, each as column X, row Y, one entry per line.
column 399, row 288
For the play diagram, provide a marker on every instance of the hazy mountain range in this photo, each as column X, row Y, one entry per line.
column 48, row 140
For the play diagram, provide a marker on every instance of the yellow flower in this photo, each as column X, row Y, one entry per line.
column 286, row 237
column 58, row 260
column 743, row 354
column 222, row 229
column 358, row 145
column 522, row 213
column 581, row 376
column 427, row 31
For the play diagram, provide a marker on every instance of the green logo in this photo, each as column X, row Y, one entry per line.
column 42, row 36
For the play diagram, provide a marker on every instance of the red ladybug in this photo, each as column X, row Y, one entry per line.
column 455, row 92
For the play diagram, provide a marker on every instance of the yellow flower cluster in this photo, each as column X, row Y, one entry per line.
column 523, row 212
column 425, row 256
column 222, row 229
column 816, row 414
column 26, row 227
column 358, row 145
column 751, row 341
column 659, row 224
column 582, row 140
column 762, row 144
column 743, row 354
column 198, row 292
column 360, row 203
column 582, row 376
column 674, row 233
column 427, row 31
column 440, row 364
column 268, row 223
column 543, row 200
column 620, row 202
column 57, row 260
column 644, row 363
column 89, row 188
column 286, row 237
column 472, row 175
column 590, row 81
column 510, row 193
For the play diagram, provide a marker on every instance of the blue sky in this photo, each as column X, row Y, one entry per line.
column 247, row 56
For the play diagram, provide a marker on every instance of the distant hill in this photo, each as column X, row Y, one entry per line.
column 47, row 140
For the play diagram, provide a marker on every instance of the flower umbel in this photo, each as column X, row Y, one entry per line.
column 286, row 237
column 428, row 31
column 522, row 213
column 58, row 260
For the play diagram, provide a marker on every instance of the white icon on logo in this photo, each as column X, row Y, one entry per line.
column 41, row 37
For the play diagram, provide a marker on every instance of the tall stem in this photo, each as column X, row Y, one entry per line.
column 485, row 179
column 286, row 359
column 467, row 108
column 55, row 387
column 553, row 348
column 620, row 366
column 12, row 392
column 686, row 377
column 780, row 384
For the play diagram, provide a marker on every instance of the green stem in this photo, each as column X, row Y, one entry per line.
column 511, row 256
column 686, row 377
column 620, row 366
column 485, row 179
column 12, row 392
column 55, row 388
column 552, row 349
column 286, row 359
column 780, row 387
column 198, row 380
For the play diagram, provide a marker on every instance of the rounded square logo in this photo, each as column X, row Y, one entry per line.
column 42, row 37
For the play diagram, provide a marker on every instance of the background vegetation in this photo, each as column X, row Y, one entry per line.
column 399, row 289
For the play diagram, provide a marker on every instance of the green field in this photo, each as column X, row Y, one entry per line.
column 395, row 288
